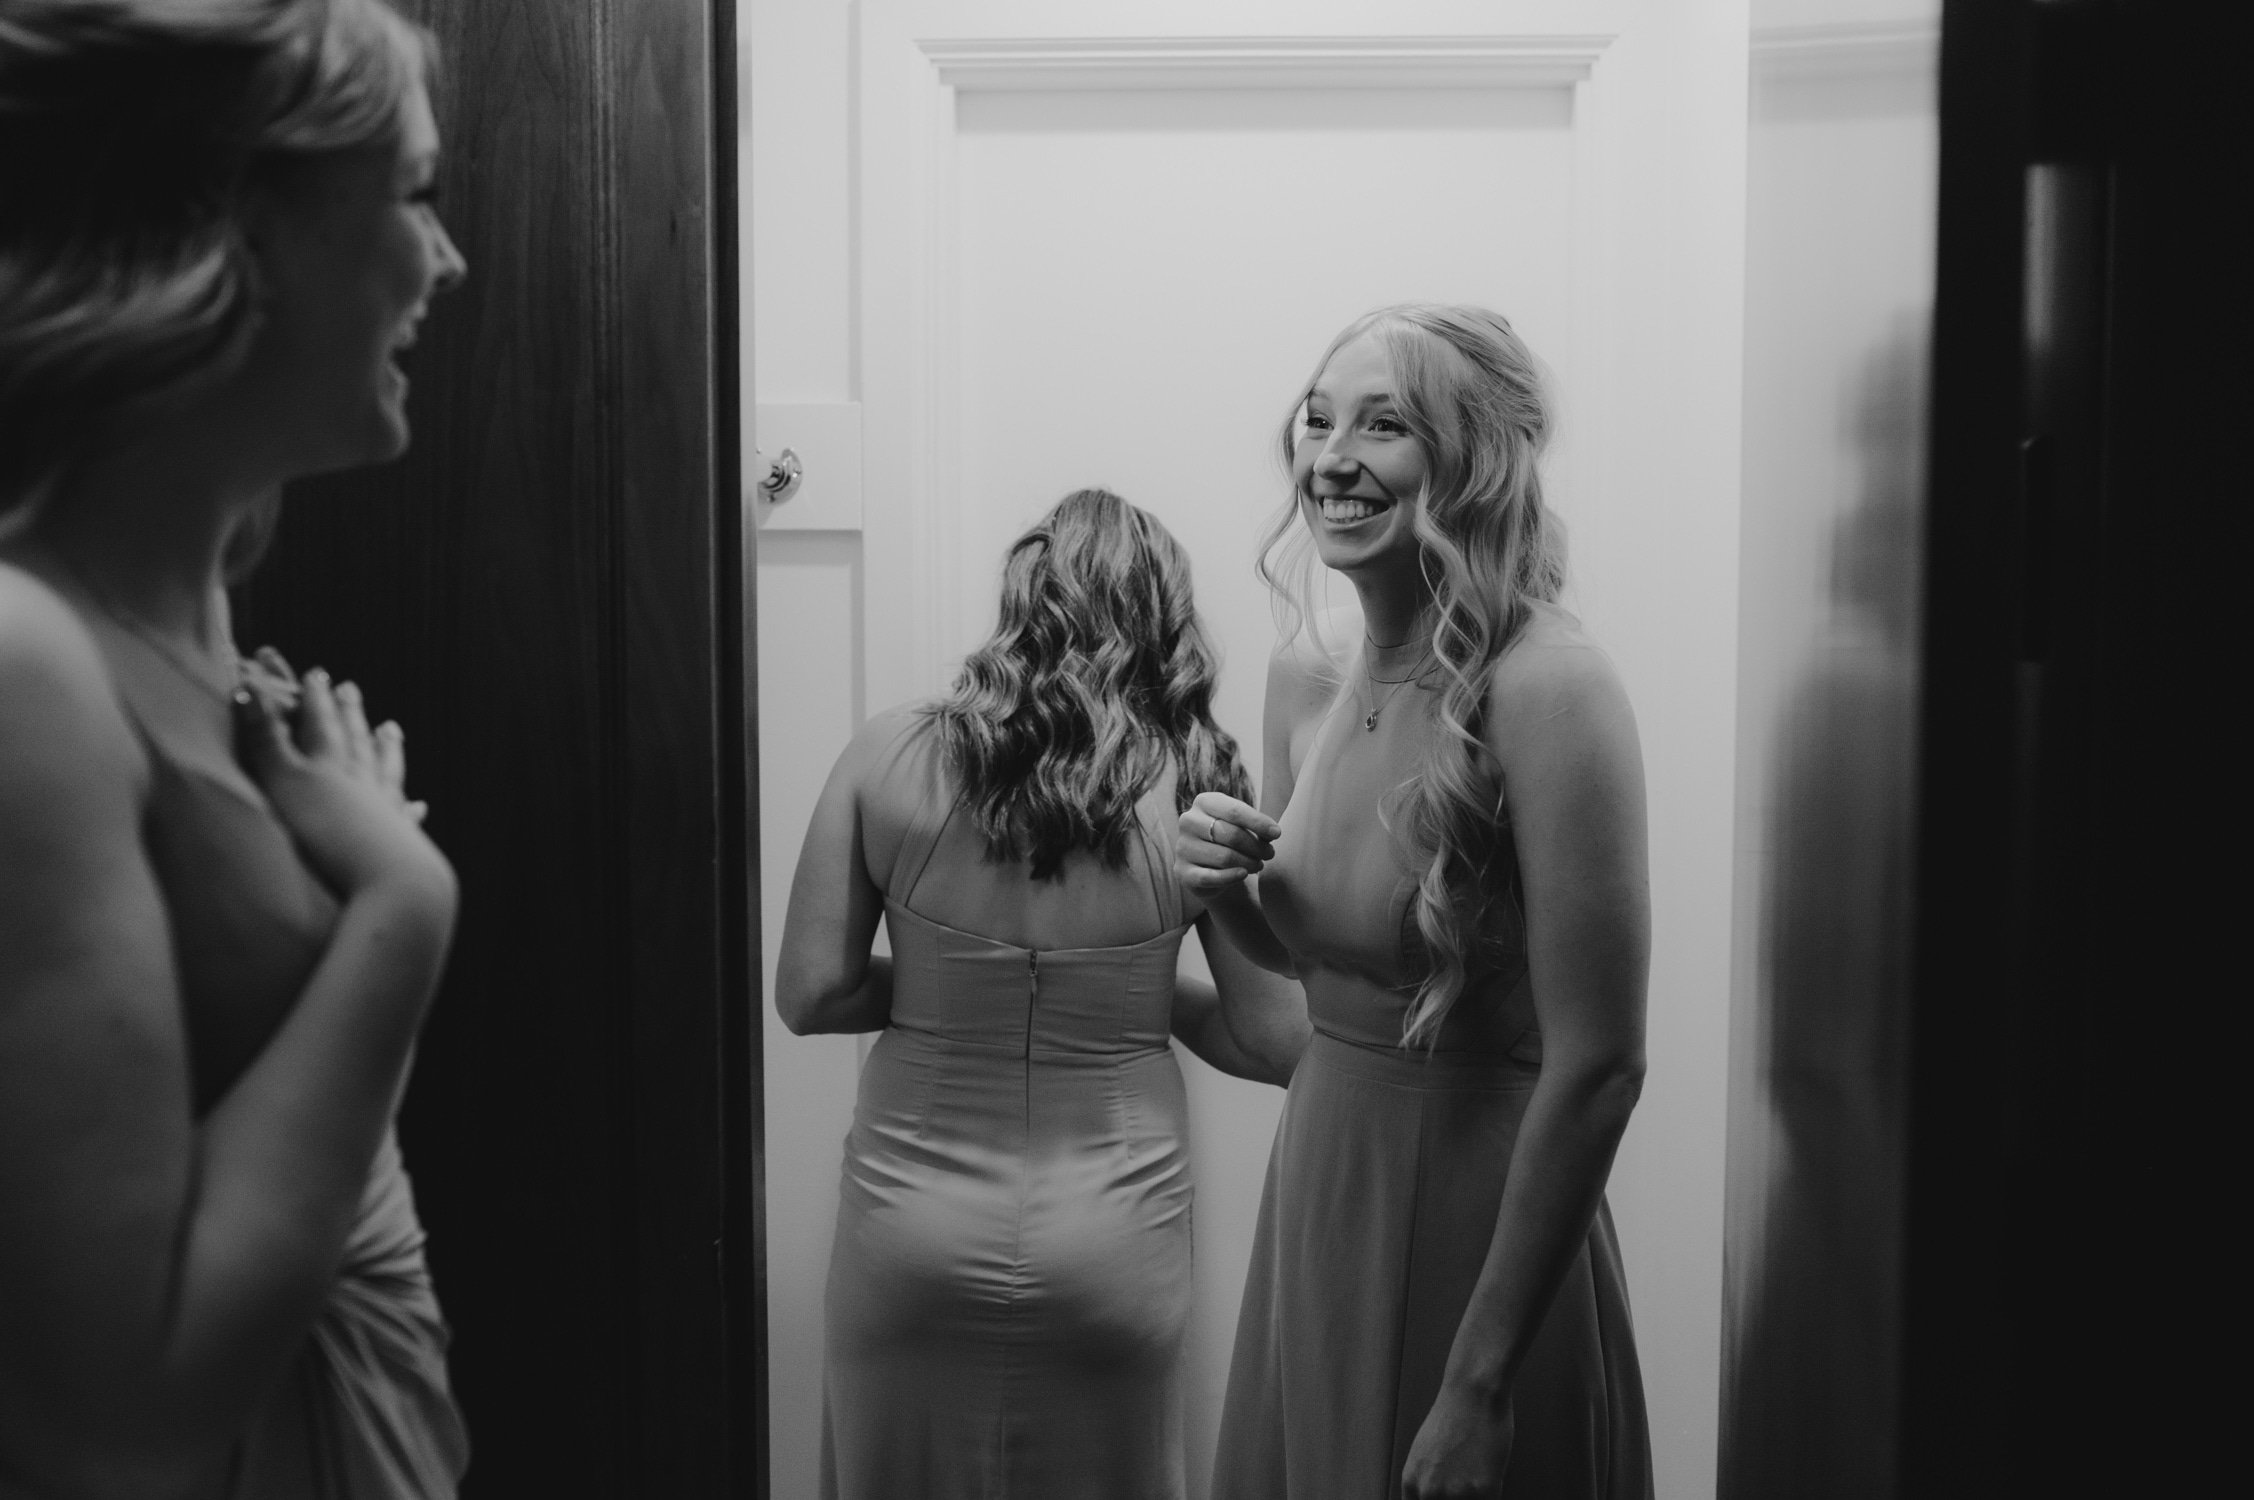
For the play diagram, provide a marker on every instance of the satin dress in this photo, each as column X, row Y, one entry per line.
column 1010, row 1283
column 364, row 1411
column 1386, row 1176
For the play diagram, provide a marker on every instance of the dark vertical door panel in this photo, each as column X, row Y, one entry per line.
column 547, row 592
column 2070, row 928
column 2142, row 832
column 1955, row 1376
column 743, row 1116
column 2006, row 1282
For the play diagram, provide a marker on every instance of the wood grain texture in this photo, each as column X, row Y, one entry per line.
column 548, row 593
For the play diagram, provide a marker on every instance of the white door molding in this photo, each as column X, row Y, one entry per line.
column 1292, row 62
column 910, row 75
column 1846, row 49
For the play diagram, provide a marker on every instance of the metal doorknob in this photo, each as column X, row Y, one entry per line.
column 779, row 477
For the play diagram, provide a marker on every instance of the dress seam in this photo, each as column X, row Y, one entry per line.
column 1407, row 1281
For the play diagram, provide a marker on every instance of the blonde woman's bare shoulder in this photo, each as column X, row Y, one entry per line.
column 48, row 655
column 29, row 603
column 1553, row 625
column 1556, row 677
column 63, row 735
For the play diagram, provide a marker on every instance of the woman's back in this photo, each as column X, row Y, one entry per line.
column 934, row 860
column 1010, row 1281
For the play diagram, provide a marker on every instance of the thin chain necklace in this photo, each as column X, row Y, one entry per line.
column 141, row 630
column 1394, row 684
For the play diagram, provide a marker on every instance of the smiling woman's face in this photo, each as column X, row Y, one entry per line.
column 351, row 251
column 1357, row 467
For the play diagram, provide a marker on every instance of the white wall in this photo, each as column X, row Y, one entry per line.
column 1642, row 321
column 1655, row 559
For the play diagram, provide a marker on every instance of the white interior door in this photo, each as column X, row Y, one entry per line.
column 1031, row 247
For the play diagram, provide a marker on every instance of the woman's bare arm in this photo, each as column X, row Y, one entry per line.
column 157, row 1273
column 1249, row 1022
column 1221, row 843
column 1198, row 1024
column 1562, row 731
column 826, row 979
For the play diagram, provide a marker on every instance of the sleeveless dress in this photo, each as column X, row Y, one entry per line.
column 1386, row 1177
column 364, row 1411
column 1010, row 1283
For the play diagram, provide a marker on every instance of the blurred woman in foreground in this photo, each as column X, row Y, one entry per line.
column 220, row 922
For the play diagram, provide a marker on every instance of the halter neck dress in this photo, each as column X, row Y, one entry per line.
column 364, row 1411
column 1010, row 1282
column 1387, row 1174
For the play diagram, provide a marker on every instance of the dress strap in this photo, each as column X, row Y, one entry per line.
column 916, row 754
column 1164, row 888
column 930, row 821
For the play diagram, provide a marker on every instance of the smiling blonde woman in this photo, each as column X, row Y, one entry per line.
column 1450, row 852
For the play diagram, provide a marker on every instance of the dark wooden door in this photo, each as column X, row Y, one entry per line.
column 549, row 593
column 2076, row 924
column 2051, row 1283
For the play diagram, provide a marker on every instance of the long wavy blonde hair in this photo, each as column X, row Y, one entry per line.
column 1472, row 393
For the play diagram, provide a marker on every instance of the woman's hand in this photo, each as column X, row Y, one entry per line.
column 1219, row 840
column 338, row 786
column 1462, row 1451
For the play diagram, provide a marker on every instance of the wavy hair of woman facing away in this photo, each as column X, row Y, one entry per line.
column 1010, row 1281
column 220, row 921
column 1098, row 680
column 1450, row 852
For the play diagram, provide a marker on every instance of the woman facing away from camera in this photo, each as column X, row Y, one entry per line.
column 220, row 922
column 1011, row 1277
column 1450, row 851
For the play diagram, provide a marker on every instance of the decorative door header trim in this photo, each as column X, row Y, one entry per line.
column 1291, row 62
column 1834, row 50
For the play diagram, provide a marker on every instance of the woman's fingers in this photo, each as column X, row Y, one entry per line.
column 1205, row 881
column 261, row 738
column 359, row 742
column 391, row 757
column 320, row 727
column 1211, row 854
column 1223, row 808
column 326, row 726
column 276, row 663
column 1230, row 824
column 1220, row 852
